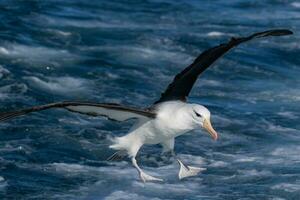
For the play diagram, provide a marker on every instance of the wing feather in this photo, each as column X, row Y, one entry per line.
column 183, row 82
column 111, row 111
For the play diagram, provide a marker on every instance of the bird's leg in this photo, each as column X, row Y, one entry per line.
column 185, row 170
column 145, row 177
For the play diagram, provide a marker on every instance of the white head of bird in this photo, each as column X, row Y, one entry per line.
column 200, row 116
column 180, row 117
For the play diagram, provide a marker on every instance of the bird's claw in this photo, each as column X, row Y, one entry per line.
column 188, row 171
column 146, row 177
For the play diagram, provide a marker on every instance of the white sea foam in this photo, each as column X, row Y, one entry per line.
column 287, row 114
column 74, row 169
column 196, row 160
column 289, row 153
column 78, row 169
column 108, row 23
column 177, row 188
column 118, row 195
column 254, row 172
column 207, row 82
column 13, row 91
column 35, row 55
column 247, row 159
column 3, row 183
column 215, row 34
column 124, row 172
column 3, row 71
column 288, row 187
column 142, row 54
column 223, row 121
column 280, row 129
column 219, row 164
column 4, row 51
column 61, row 85
column 295, row 4
column 59, row 32
column 14, row 145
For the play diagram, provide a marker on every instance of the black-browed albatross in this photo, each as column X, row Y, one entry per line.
column 166, row 119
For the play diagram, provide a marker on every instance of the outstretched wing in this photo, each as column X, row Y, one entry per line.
column 183, row 82
column 111, row 111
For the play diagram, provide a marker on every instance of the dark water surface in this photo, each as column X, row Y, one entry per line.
column 127, row 52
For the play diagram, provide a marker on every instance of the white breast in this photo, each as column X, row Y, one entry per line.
column 171, row 121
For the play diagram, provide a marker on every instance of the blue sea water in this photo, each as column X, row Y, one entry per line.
column 127, row 52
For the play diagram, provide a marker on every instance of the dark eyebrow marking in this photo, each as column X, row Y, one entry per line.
column 197, row 114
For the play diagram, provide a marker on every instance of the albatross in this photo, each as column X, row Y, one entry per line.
column 170, row 116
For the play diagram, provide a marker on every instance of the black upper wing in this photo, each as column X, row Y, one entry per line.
column 111, row 111
column 183, row 82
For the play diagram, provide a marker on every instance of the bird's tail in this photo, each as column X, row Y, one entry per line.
column 119, row 155
column 118, row 144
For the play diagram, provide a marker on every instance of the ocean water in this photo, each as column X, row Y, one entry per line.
column 127, row 52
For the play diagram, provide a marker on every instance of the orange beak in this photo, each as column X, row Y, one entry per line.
column 207, row 125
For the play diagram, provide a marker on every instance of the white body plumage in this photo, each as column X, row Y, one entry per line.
column 173, row 118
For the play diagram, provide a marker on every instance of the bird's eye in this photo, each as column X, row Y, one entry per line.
column 197, row 114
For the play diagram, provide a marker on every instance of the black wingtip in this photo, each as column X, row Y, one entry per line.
column 9, row 115
column 275, row 32
column 280, row 32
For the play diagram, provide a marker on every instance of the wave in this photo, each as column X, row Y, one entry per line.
column 295, row 4
column 3, row 72
column 36, row 55
column 287, row 187
column 60, row 85
column 13, row 91
column 215, row 34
